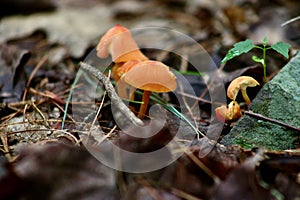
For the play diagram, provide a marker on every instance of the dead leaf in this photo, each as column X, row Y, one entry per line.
column 242, row 183
column 58, row 171
column 12, row 74
column 74, row 27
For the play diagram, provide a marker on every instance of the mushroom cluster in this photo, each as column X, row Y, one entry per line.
column 232, row 112
column 132, row 68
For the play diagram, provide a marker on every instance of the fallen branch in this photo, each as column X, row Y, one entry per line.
column 115, row 99
column 274, row 121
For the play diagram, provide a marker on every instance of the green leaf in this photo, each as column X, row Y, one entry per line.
column 238, row 49
column 258, row 60
column 265, row 41
column 282, row 48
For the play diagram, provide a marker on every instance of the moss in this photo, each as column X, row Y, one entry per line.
column 273, row 139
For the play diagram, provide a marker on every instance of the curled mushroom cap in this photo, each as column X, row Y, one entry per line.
column 229, row 113
column 119, row 43
column 241, row 83
column 151, row 76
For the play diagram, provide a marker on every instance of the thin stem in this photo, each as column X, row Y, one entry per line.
column 258, row 47
column 264, row 49
column 145, row 100
column 69, row 98
column 265, row 64
column 245, row 96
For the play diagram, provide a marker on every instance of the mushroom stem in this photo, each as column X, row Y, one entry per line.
column 131, row 93
column 145, row 100
column 245, row 96
column 121, row 88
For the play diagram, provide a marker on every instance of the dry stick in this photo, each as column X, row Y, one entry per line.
column 290, row 21
column 115, row 99
column 188, row 108
column 4, row 141
column 198, row 99
column 37, row 67
column 202, row 165
column 209, row 85
column 41, row 114
column 63, row 110
column 184, row 195
column 107, row 135
column 274, row 121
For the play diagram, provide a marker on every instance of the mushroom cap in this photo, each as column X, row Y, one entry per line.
column 151, row 76
column 240, row 83
column 229, row 113
column 119, row 43
column 221, row 113
column 233, row 111
column 119, row 69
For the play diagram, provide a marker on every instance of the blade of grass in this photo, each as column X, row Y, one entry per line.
column 173, row 110
column 69, row 98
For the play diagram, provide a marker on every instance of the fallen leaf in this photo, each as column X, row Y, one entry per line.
column 58, row 171
column 12, row 74
column 74, row 27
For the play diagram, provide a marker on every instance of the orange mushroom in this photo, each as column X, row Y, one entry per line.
column 230, row 113
column 241, row 83
column 119, row 43
column 118, row 72
column 132, row 67
column 150, row 76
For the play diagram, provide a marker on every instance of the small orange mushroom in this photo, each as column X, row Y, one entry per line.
column 118, row 72
column 241, row 83
column 119, row 43
column 230, row 113
column 132, row 67
column 150, row 76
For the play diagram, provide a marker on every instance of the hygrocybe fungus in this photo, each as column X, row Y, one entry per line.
column 132, row 68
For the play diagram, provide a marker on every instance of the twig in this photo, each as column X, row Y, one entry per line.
column 4, row 141
column 100, row 107
column 199, row 99
column 115, row 99
column 290, row 21
column 37, row 67
column 188, row 108
column 202, row 165
column 107, row 135
column 183, row 194
column 41, row 114
column 274, row 121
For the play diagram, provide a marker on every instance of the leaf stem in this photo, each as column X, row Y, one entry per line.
column 264, row 63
